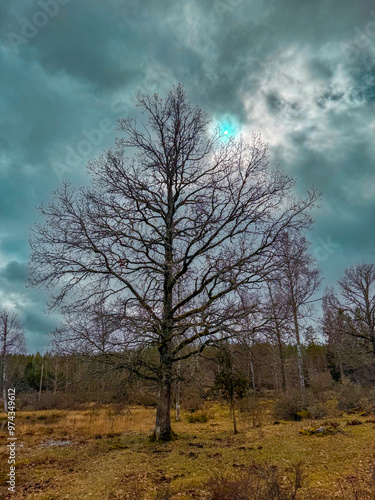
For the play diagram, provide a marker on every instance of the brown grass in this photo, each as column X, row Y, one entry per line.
column 110, row 456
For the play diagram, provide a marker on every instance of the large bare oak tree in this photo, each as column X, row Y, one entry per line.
column 177, row 224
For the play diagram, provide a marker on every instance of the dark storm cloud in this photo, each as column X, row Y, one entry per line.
column 301, row 73
column 14, row 272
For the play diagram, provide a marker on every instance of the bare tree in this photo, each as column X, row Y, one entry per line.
column 56, row 373
column 88, row 330
column 12, row 340
column 355, row 301
column 297, row 280
column 278, row 312
column 170, row 235
column 252, row 328
column 345, row 354
column 230, row 380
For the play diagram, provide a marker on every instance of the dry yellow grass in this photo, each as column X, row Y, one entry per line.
column 110, row 456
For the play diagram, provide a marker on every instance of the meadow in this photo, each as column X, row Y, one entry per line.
column 103, row 452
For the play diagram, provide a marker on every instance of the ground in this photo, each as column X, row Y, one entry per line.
column 104, row 453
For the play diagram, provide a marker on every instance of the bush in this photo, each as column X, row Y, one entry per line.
column 145, row 397
column 317, row 411
column 287, row 407
column 293, row 406
column 320, row 383
column 253, row 407
column 192, row 401
column 297, row 405
column 198, row 417
column 48, row 401
column 352, row 397
column 304, row 414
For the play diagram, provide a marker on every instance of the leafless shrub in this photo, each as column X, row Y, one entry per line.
column 351, row 397
column 260, row 483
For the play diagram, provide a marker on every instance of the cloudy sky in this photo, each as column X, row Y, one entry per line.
column 302, row 73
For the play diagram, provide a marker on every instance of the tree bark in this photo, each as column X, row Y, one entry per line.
column 178, row 392
column 299, row 350
column 163, row 429
column 252, row 375
column 300, row 366
column 282, row 363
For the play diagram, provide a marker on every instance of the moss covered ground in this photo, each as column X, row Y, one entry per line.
column 104, row 453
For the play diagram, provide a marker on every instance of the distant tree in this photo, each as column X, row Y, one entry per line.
column 230, row 381
column 349, row 324
column 56, row 373
column 351, row 309
column 252, row 327
column 12, row 340
column 334, row 327
column 277, row 329
column 32, row 375
column 88, row 330
column 297, row 279
column 170, row 237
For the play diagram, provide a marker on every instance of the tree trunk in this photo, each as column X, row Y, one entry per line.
column 55, row 370
column 235, row 431
column 342, row 372
column 252, row 371
column 66, row 375
column 178, row 392
column 4, row 366
column 41, row 381
column 4, row 383
column 163, row 429
column 282, row 360
column 282, row 369
column 300, row 366
column 299, row 350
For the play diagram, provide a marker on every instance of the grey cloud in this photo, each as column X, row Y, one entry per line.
column 14, row 271
column 278, row 66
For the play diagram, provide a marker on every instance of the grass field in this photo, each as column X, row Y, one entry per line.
column 104, row 453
